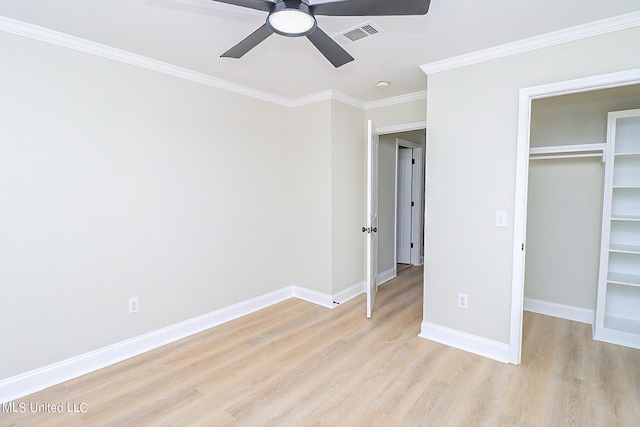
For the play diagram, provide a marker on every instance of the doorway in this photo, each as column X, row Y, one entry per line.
column 527, row 95
column 565, row 200
column 401, row 201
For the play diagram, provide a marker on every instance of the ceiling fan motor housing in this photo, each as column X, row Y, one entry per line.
column 291, row 18
column 295, row 18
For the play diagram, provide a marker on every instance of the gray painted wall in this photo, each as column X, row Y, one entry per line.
column 472, row 116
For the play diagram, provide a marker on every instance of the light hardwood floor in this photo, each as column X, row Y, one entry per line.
column 298, row 364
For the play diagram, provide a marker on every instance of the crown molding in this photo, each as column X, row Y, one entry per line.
column 342, row 97
column 591, row 29
column 395, row 100
column 327, row 95
column 68, row 41
column 349, row 100
column 57, row 38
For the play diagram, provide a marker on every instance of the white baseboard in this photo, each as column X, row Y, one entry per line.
column 33, row 381
column 315, row 297
column 385, row 276
column 467, row 342
column 350, row 293
column 568, row 312
column 39, row 379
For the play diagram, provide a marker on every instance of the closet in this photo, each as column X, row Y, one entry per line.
column 618, row 304
column 566, row 201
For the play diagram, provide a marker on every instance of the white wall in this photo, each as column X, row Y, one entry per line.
column 565, row 197
column 118, row 182
column 472, row 115
column 387, row 203
column 398, row 114
column 328, row 209
column 310, row 158
column 348, row 182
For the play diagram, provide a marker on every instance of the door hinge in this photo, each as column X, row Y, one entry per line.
column 413, row 161
column 523, row 247
column 412, row 204
column 412, row 245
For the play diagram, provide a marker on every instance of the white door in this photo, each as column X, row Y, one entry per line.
column 403, row 206
column 371, row 229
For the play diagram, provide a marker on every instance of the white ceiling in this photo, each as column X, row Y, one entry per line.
column 193, row 33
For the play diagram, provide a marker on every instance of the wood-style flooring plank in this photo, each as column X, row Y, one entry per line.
column 299, row 364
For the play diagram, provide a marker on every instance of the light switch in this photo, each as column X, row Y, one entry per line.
column 501, row 219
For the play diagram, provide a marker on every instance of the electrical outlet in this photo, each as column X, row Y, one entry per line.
column 134, row 305
column 463, row 301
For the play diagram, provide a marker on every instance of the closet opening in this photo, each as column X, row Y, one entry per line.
column 565, row 200
column 562, row 134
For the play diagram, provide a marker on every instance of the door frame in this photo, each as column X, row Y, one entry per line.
column 526, row 96
column 419, row 191
column 417, row 195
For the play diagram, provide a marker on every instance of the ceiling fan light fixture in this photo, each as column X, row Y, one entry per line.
column 291, row 19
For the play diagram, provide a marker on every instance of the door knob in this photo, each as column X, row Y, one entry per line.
column 366, row 230
column 374, row 229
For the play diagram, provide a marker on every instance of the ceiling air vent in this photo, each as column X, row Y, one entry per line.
column 358, row 33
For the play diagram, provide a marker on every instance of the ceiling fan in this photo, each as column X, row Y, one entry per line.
column 296, row 18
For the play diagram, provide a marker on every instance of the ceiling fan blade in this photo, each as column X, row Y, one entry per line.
column 372, row 8
column 251, row 4
column 251, row 41
column 329, row 48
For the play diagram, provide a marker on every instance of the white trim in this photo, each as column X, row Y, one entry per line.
column 315, row 297
column 385, row 276
column 350, row 293
column 591, row 29
column 395, row 204
column 405, row 127
column 416, row 198
column 38, row 379
column 310, row 99
column 577, row 314
column 463, row 341
column 566, row 156
column 614, row 336
column 326, row 95
column 622, row 314
column 573, row 148
column 568, row 151
column 349, row 100
column 395, row 100
column 603, row 81
column 418, row 208
column 56, row 38
column 407, row 144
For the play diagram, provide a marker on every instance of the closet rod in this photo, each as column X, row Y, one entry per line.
column 565, row 156
column 574, row 148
